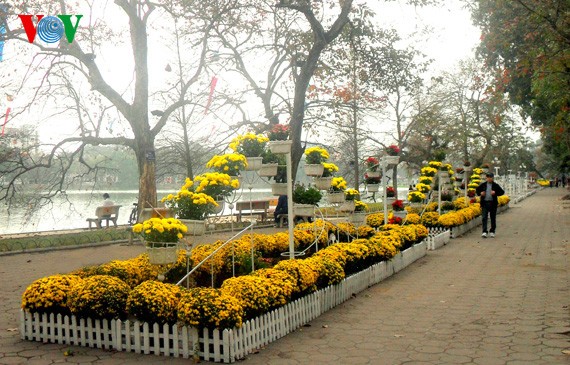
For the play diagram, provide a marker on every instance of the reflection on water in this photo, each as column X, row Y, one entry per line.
column 72, row 210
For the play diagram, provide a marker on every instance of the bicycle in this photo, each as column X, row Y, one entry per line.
column 133, row 218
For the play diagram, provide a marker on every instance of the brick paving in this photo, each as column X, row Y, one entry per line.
column 475, row 301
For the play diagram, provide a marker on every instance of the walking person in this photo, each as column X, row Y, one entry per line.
column 489, row 191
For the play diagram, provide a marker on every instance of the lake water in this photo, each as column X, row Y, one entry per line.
column 71, row 210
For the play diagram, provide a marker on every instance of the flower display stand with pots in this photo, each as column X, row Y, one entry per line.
column 280, row 147
column 195, row 227
column 254, row 163
column 335, row 198
column 373, row 188
column 323, row 183
column 279, row 188
column 162, row 253
column 314, row 170
column 303, row 209
column 268, row 170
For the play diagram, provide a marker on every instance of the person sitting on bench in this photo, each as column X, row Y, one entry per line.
column 281, row 208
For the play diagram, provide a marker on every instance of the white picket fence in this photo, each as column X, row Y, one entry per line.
column 225, row 346
column 436, row 241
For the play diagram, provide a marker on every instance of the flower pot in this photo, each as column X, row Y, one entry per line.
column 280, row 147
column 254, row 163
column 358, row 218
column 391, row 160
column 347, row 206
column 335, row 198
column 303, row 209
column 323, row 183
column 373, row 173
column 314, row 169
column 195, row 227
column 219, row 208
column 400, row 213
column 162, row 255
column 390, row 200
column 373, row 188
column 269, row 169
column 279, row 189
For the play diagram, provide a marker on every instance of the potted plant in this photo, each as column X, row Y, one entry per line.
column 305, row 199
column 372, row 181
column 252, row 146
column 324, row 182
column 161, row 236
column 191, row 208
column 398, row 209
column 336, row 191
column 359, row 216
column 416, row 196
column 315, row 156
column 230, row 164
column 373, row 166
column 390, row 192
column 217, row 185
column 278, row 139
column 392, row 154
column 269, row 164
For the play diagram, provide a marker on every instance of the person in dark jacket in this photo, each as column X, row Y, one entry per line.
column 281, row 207
column 489, row 191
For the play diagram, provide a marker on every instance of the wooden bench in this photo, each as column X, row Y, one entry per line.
column 253, row 207
column 105, row 213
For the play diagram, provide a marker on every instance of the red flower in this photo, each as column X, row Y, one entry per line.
column 393, row 150
column 398, row 205
column 395, row 220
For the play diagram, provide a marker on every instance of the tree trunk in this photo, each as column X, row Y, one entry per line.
column 146, row 160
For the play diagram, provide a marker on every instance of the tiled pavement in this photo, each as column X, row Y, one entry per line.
column 475, row 301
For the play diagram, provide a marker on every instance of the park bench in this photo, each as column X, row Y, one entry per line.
column 254, row 207
column 105, row 213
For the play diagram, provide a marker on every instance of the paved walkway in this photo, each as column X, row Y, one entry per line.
column 475, row 301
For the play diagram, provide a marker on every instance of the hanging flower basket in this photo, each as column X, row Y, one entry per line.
column 161, row 253
column 373, row 173
column 373, row 188
column 335, row 198
column 254, row 163
column 195, row 227
column 279, row 189
column 280, row 147
column 391, row 160
column 269, row 169
column 314, row 169
column 303, row 209
column 323, row 183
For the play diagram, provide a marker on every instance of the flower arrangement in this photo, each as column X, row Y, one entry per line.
column 329, row 169
column 371, row 179
column 427, row 180
column 351, row 194
column 446, row 167
column 209, row 308
column 398, row 205
column 338, row 184
column 372, row 163
column 279, row 132
column 160, row 230
column 435, row 164
column 360, row 206
column 375, row 220
column 392, row 150
column 306, row 195
column 215, row 184
column 477, row 171
column 99, row 297
column 190, row 205
column 49, row 294
column 316, row 155
column 416, row 196
column 249, row 144
column 466, row 163
column 231, row 163
column 153, row 301
column 390, row 192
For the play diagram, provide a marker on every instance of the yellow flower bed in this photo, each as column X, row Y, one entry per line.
column 153, row 301
column 282, row 285
column 99, row 297
column 252, row 292
column 413, row 218
column 430, row 219
column 209, row 308
column 375, row 220
column 305, row 276
column 49, row 294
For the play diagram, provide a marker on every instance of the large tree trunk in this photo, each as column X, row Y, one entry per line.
column 147, row 175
